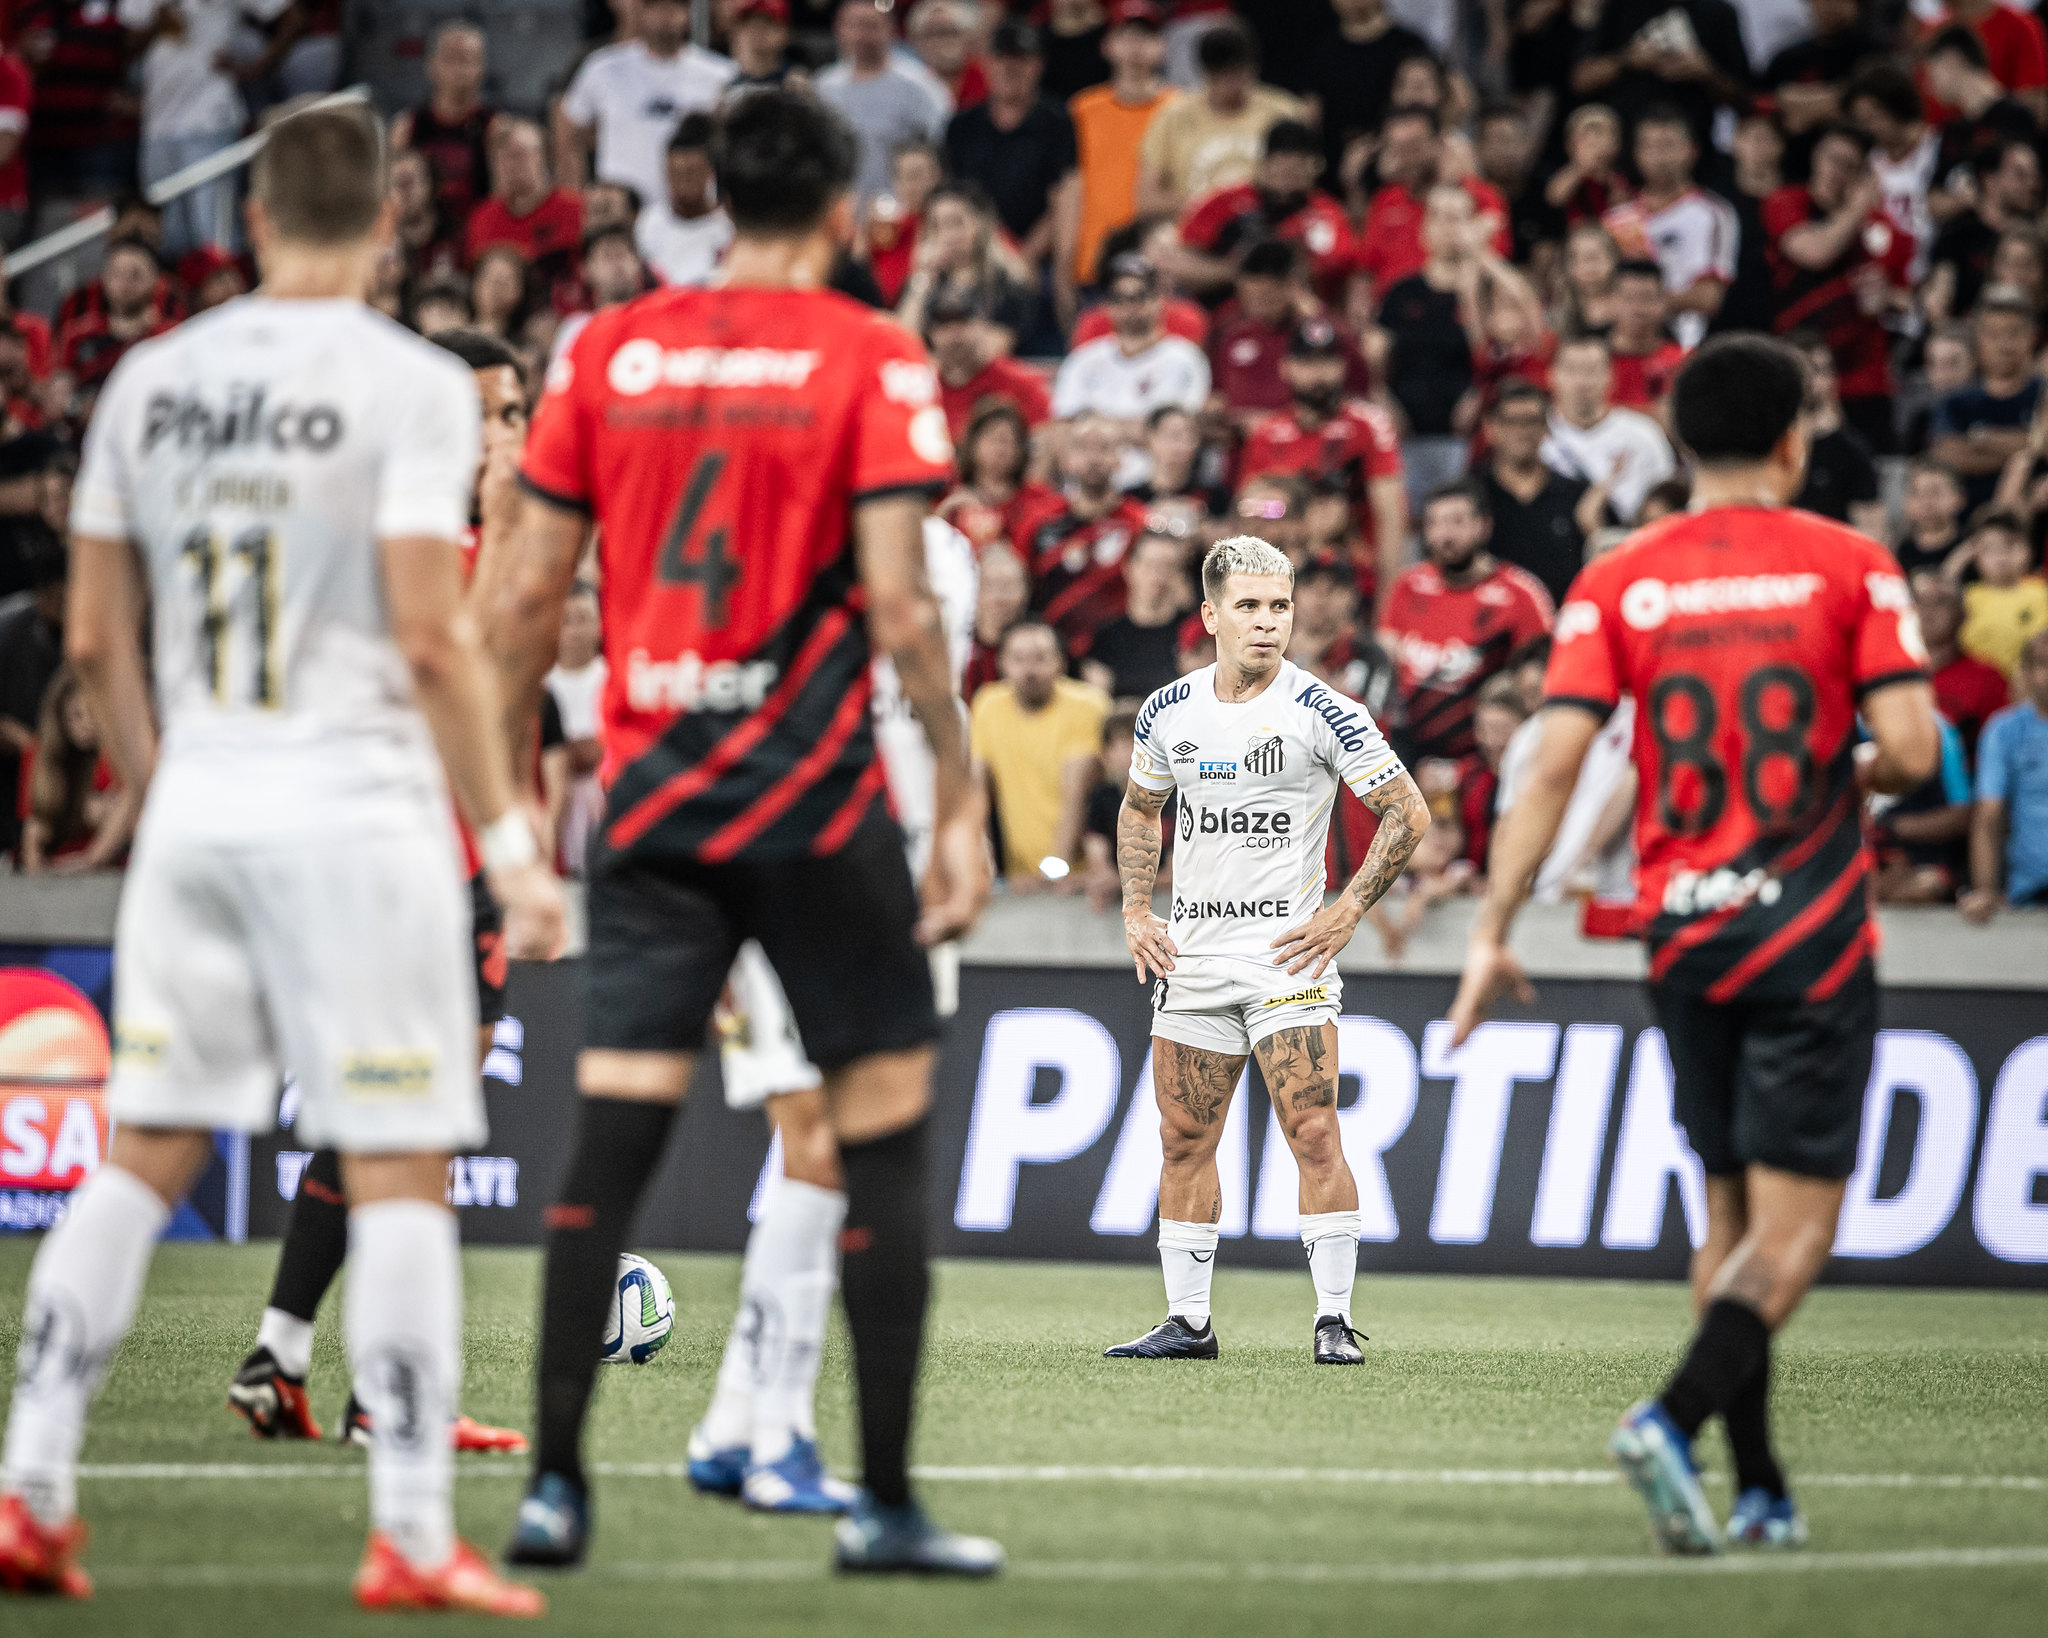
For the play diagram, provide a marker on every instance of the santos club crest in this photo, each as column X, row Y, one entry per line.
column 1264, row 756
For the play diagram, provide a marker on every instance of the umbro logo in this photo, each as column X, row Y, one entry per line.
column 1185, row 749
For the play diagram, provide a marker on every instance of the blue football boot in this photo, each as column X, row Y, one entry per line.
column 797, row 1483
column 715, row 1472
column 1657, row 1460
column 553, row 1527
column 876, row 1540
column 1761, row 1519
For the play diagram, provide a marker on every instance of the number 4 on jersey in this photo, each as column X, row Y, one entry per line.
column 711, row 570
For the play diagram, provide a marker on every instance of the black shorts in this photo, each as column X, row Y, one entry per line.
column 487, row 928
column 839, row 932
column 1772, row 1083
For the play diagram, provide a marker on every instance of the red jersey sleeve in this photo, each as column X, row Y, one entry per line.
column 1033, row 397
column 1207, row 217
column 1887, row 644
column 900, row 439
column 1532, row 613
column 1584, row 669
column 557, row 461
column 2026, row 54
column 1382, row 445
column 1783, row 212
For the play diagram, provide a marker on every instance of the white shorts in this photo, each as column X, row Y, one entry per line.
column 1222, row 1005
column 344, row 953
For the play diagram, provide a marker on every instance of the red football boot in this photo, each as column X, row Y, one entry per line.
column 471, row 1434
column 386, row 1581
column 34, row 1558
column 275, row 1404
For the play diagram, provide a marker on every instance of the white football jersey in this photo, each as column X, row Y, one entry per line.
column 899, row 736
column 1257, row 781
column 255, row 456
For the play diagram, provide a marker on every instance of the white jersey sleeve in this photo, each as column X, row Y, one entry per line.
column 103, row 499
column 1151, row 767
column 1348, row 740
column 432, row 444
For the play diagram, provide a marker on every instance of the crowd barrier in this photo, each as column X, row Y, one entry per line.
column 1545, row 1146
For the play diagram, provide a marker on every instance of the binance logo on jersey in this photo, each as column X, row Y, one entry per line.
column 1265, row 756
column 1227, row 909
column 642, row 365
column 245, row 420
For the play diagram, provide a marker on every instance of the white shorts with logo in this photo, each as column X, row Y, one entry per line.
column 341, row 951
column 1220, row 1004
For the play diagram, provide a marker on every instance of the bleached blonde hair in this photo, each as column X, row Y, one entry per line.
column 1241, row 554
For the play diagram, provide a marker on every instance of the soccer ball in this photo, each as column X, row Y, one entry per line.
column 642, row 1315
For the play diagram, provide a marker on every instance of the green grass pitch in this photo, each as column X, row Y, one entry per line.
column 1453, row 1486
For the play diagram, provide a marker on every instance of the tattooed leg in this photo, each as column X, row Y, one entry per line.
column 1193, row 1088
column 1300, row 1068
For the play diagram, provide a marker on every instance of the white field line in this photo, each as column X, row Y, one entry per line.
column 1506, row 1478
column 1443, row 1572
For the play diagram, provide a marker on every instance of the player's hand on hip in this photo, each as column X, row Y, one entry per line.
column 1491, row 969
column 1320, row 938
column 1151, row 946
column 536, row 923
column 956, row 881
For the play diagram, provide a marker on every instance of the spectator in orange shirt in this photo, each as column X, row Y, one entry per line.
column 525, row 209
column 1411, row 155
column 973, row 371
column 1644, row 356
column 1109, row 127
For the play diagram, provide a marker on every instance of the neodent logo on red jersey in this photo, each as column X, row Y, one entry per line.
column 642, row 365
column 1647, row 604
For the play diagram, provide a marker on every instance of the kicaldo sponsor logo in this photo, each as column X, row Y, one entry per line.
column 689, row 683
column 1647, row 604
column 641, row 366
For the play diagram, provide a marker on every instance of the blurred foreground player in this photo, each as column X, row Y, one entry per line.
column 758, row 1439
column 284, row 483
column 759, row 458
column 1255, row 747
column 270, row 1387
column 1751, row 636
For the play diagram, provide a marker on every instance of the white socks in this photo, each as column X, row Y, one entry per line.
column 404, row 1317
column 1331, row 1240
column 289, row 1339
column 1187, row 1256
column 82, row 1292
column 799, row 1268
column 768, row 1377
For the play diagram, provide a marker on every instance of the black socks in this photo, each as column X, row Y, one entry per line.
column 1747, row 1417
column 315, row 1240
column 885, row 1280
column 619, row 1142
column 1731, row 1346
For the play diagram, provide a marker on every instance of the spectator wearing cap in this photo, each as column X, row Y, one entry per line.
column 1252, row 331
column 1840, row 265
column 1110, row 122
column 1155, row 239
column 525, row 210
column 1643, row 356
column 1281, row 202
column 1138, row 367
column 624, row 102
column 973, row 370
column 1323, row 436
column 451, row 129
column 683, row 234
column 1213, row 138
column 1977, row 430
column 1075, row 552
column 91, row 346
column 1454, row 620
column 1841, row 478
column 1076, row 37
column 1035, row 737
column 1018, row 144
column 960, row 253
column 1591, row 439
column 1351, row 74
column 759, row 41
column 1131, row 655
column 1688, row 232
column 885, row 101
column 2009, row 830
column 940, row 36
column 1411, row 162
column 1541, row 518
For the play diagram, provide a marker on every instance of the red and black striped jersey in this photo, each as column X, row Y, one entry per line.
column 1746, row 635
column 721, row 439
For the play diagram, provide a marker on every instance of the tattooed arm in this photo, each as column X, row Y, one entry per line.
column 1137, row 861
column 1404, row 818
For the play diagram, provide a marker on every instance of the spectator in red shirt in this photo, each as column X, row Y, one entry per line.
column 994, row 454
column 526, row 210
column 1968, row 691
column 891, row 222
column 971, row 369
column 1454, row 620
column 16, row 94
column 1282, row 202
column 2015, row 51
column 93, row 345
column 1076, row 551
column 1252, row 332
column 452, row 129
column 1839, row 265
column 1411, row 156
column 1323, row 435
column 1002, row 594
column 1590, row 185
column 1157, row 240
column 1644, row 357
column 82, row 139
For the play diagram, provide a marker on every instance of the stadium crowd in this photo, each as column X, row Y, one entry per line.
column 1398, row 285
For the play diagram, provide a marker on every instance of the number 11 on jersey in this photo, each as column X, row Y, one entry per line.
column 252, row 600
